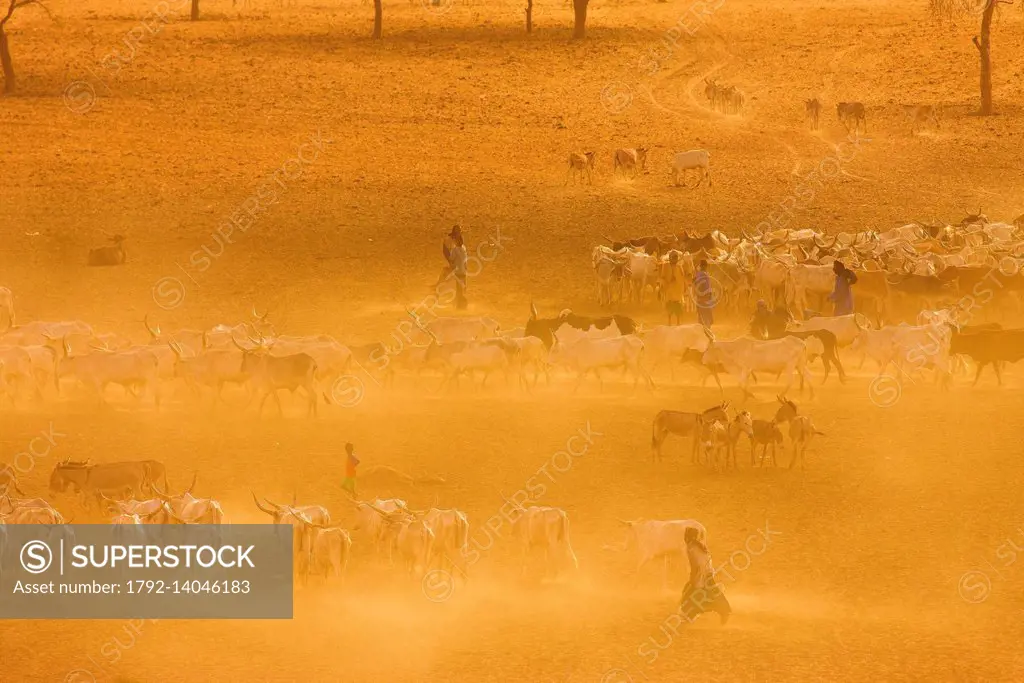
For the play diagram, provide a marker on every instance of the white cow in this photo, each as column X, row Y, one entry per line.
column 370, row 523
column 655, row 539
column 641, row 271
column 332, row 548
column 451, row 537
column 546, row 529
column 130, row 369
column 487, row 356
column 807, row 279
column 669, row 344
column 743, row 357
column 531, row 352
column 695, row 159
column 925, row 346
column 40, row 332
column 591, row 355
column 409, row 535
column 213, row 368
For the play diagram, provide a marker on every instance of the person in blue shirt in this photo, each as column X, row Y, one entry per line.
column 842, row 294
column 704, row 295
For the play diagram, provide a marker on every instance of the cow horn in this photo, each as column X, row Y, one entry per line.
column 533, row 311
column 195, row 475
column 235, row 342
column 155, row 333
column 272, row 513
column 624, row 521
column 172, row 515
column 160, row 494
column 259, row 317
column 376, row 509
column 154, row 513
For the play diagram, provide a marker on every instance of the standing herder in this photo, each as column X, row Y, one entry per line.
column 842, row 294
column 704, row 295
column 702, row 593
column 351, row 462
column 674, row 285
column 459, row 259
column 446, row 248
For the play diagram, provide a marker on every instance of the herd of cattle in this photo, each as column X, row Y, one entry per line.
column 946, row 275
column 421, row 540
column 919, row 293
column 390, row 529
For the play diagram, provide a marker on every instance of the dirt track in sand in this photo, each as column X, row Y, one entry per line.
column 454, row 118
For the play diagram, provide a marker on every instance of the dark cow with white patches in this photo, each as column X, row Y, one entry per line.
column 569, row 327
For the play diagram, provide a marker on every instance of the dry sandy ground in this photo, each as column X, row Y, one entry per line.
column 454, row 116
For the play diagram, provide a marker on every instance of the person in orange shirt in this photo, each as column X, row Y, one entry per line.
column 349, row 482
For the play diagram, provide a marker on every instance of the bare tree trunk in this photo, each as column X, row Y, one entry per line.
column 195, row 10
column 579, row 30
column 378, row 18
column 985, row 54
column 5, row 61
column 529, row 16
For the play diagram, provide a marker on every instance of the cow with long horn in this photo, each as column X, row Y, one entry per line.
column 269, row 374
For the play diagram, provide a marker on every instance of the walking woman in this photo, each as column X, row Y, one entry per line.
column 702, row 593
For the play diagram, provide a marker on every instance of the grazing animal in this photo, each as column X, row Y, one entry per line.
column 713, row 92
column 109, row 256
column 137, row 367
column 371, row 524
column 920, row 114
column 580, row 165
column 695, row 159
column 104, row 478
column 591, row 355
column 547, row 529
column 670, row 343
column 451, row 538
column 569, row 327
column 743, row 357
column 630, row 159
column 990, row 347
column 683, row 424
column 851, row 111
column 655, row 539
column 410, row 536
column 270, row 374
column 801, row 431
column 715, row 438
column 610, row 269
column 762, row 433
column 813, row 110
column 485, row 356
column 332, row 548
